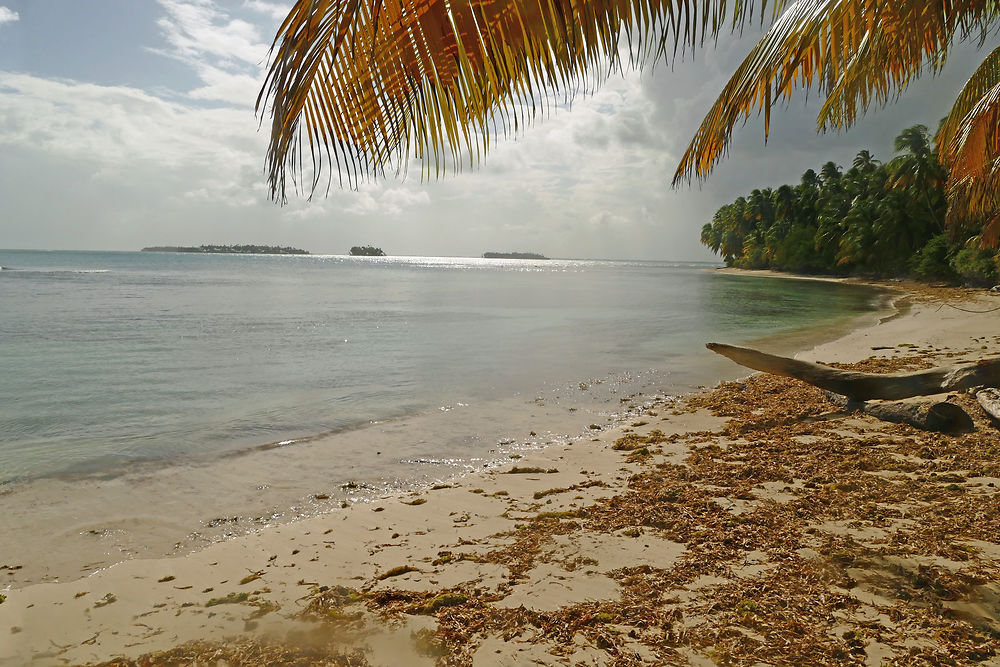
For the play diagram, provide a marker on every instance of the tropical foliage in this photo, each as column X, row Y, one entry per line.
column 874, row 218
column 366, row 251
column 357, row 87
column 863, row 53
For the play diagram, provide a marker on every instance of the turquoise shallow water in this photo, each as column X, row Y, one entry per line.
column 109, row 359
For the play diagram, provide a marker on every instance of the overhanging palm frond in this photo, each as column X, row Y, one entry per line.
column 358, row 86
column 972, row 152
column 986, row 76
column 906, row 39
column 856, row 52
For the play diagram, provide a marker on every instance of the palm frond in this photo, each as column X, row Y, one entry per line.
column 986, row 76
column 973, row 155
column 858, row 53
column 791, row 51
column 905, row 40
column 359, row 86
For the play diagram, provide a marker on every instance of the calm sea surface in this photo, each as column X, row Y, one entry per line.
column 110, row 358
column 151, row 403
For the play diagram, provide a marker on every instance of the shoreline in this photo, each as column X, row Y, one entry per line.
column 66, row 527
column 266, row 575
column 771, row 273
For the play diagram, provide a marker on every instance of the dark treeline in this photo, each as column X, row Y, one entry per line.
column 231, row 249
column 366, row 251
column 513, row 255
column 876, row 219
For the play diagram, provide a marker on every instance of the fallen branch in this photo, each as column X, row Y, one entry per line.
column 859, row 386
column 936, row 416
column 989, row 400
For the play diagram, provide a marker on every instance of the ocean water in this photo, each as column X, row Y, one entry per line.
column 267, row 378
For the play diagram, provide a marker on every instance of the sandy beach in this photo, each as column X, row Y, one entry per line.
column 753, row 524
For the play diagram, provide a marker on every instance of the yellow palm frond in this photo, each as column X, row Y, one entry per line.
column 904, row 40
column 856, row 52
column 971, row 149
column 358, row 86
column 986, row 76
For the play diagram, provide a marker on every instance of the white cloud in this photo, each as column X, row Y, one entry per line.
column 276, row 11
column 8, row 15
column 115, row 128
column 237, row 89
column 227, row 54
column 392, row 201
column 197, row 28
column 609, row 219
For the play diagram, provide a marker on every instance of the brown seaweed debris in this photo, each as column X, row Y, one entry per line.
column 231, row 598
column 529, row 470
column 632, row 441
column 810, row 537
column 397, row 571
column 253, row 576
column 247, row 653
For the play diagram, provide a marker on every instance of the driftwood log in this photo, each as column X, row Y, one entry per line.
column 851, row 389
column 859, row 386
column 989, row 400
column 937, row 416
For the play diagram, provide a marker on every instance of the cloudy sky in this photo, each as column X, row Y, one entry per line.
column 125, row 124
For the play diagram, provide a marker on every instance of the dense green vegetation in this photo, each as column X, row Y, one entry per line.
column 366, row 251
column 874, row 219
column 233, row 249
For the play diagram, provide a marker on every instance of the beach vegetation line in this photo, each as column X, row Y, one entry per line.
column 874, row 219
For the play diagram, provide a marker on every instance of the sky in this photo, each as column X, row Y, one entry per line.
column 125, row 124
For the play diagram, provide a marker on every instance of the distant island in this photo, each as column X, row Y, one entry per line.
column 232, row 249
column 366, row 251
column 513, row 255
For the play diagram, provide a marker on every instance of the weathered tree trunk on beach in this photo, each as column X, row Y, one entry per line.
column 859, row 386
column 989, row 400
column 937, row 416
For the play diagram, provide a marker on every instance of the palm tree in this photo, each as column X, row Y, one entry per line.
column 916, row 167
column 360, row 86
column 830, row 172
column 711, row 236
column 784, row 201
column 864, row 162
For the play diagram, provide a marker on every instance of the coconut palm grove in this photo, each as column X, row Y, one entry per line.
column 871, row 218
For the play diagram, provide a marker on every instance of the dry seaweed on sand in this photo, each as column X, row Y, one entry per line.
column 301, row 652
column 397, row 571
column 231, row 598
column 529, row 470
column 800, row 607
column 632, row 441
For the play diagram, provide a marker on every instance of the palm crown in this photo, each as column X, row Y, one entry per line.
column 356, row 87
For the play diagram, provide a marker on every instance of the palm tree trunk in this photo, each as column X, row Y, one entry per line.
column 930, row 209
